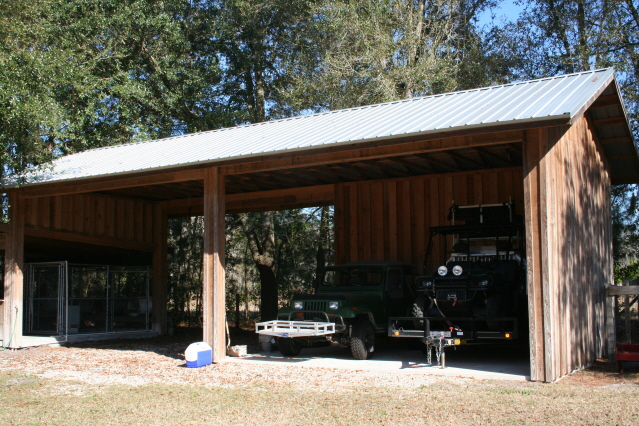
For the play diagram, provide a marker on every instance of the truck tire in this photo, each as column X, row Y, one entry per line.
column 362, row 339
column 289, row 346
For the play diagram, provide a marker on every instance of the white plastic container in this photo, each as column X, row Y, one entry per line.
column 198, row 354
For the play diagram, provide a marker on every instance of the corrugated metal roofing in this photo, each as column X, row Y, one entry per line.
column 560, row 97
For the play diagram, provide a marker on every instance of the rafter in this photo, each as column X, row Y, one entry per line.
column 439, row 162
column 414, row 165
column 461, row 157
column 488, row 153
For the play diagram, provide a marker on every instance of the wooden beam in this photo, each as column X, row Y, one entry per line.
column 609, row 100
column 213, row 295
column 321, row 175
column 622, row 290
column 382, row 149
column 347, row 174
column 297, row 177
column 612, row 121
column 325, row 156
column 466, row 159
column 109, row 183
column 367, row 173
column 623, row 139
column 394, row 167
column 408, row 163
column 280, row 199
column 439, row 162
column 533, row 255
column 487, row 153
column 13, row 305
column 39, row 232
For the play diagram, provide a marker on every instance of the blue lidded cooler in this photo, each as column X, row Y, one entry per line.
column 198, row 354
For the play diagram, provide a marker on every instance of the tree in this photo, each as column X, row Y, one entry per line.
column 378, row 51
column 257, row 42
column 565, row 36
column 79, row 75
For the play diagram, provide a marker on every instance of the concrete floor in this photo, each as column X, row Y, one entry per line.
column 497, row 362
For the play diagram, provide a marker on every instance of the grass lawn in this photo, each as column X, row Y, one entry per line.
column 31, row 400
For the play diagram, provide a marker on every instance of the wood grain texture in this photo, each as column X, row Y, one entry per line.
column 13, row 306
column 91, row 217
column 213, row 295
column 390, row 219
column 569, row 241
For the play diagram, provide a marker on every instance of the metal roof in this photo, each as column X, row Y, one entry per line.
column 562, row 97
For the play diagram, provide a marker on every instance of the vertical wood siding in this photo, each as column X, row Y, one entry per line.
column 390, row 219
column 93, row 216
column 569, row 252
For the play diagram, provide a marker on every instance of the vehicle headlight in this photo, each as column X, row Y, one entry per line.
column 457, row 270
column 442, row 270
column 483, row 283
column 333, row 305
column 298, row 305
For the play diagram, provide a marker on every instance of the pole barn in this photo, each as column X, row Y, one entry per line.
column 552, row 146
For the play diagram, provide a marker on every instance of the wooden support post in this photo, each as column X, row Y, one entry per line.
column 611, row 327
column 13, row 277
column 626, row 316
column 160, row 267
column 534, row 254
column 213, row 296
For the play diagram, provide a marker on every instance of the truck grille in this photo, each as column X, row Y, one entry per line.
column 315, row 306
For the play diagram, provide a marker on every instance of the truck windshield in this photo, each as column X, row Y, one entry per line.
column 361, row 276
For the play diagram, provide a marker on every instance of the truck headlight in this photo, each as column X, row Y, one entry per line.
column 457, row 270
column 298, row 305
column 333, row 305
column 442, row 270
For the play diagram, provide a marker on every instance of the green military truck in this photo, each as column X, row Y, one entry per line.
column 352, row 305
column 478, row 282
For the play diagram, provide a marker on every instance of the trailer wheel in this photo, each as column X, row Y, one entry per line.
column 289, row 346
column 363, row 339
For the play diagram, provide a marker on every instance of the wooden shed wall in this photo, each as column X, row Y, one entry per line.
column 569, row 253
column 390, row 219
column 96, row 216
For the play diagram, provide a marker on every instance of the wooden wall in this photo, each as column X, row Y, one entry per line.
column 103, row 218
column 569, row 239
column 390, row 219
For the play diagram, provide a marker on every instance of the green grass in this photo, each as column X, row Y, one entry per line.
column 28, row 400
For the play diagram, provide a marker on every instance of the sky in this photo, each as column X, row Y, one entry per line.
column 507, row 10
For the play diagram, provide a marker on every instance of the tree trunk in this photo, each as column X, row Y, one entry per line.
column 322, row 246
column 261, row 242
